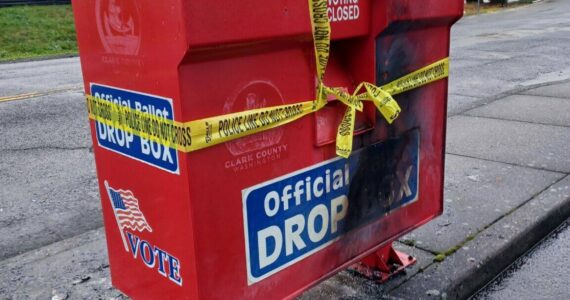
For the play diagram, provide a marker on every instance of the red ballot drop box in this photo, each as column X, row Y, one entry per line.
column 270, row 214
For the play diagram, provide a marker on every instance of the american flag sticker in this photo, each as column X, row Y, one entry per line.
column 127, row 212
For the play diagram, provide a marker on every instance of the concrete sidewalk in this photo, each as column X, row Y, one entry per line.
column 507, row 186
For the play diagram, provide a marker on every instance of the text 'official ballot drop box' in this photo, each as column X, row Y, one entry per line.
column 250, row 149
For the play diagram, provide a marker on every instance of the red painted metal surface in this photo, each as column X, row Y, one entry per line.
column 208, row 58
column 383, row 264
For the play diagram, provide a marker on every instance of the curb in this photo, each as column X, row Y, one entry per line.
column 515, row 248
column 493, row 250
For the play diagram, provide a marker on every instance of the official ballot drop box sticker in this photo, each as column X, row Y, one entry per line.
column 291, row 217
column 131, row 145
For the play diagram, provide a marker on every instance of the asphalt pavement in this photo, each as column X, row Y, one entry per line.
column 541, row 274
column 507, row 167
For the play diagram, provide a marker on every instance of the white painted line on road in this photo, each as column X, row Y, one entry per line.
column 40, row 94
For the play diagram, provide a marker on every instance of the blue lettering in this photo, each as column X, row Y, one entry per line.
column 174, row 270
column 134, row 245
column 160, row 255
column 150, row 254
column 147, row 259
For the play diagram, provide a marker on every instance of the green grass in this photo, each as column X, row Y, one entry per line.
column 32, row 31
column 471, row 8
column 443, row 255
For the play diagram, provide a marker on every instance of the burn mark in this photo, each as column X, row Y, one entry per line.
column 380, row 180
column 394, row 52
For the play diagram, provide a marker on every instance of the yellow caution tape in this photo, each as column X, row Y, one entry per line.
column 321, row 35
column 200, row 134
column 380, row 96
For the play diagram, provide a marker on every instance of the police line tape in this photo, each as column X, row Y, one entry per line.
column 380, row 96
column 200, row 134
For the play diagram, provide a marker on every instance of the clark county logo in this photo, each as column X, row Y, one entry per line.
column 118, row 26
column 255, row 95
column 130, row 219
